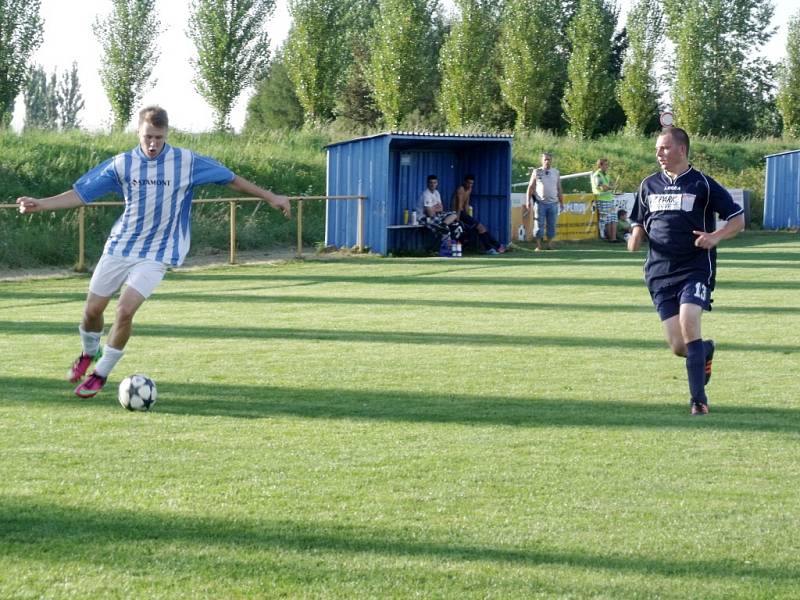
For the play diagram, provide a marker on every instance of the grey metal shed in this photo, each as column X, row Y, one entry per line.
column 391, row 169
column 782, row 191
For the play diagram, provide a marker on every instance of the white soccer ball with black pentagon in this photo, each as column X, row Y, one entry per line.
column 137, row 392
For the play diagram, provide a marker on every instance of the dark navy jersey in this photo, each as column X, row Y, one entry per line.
column 669, row 211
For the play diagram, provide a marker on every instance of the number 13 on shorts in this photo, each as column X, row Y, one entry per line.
column 700, row 291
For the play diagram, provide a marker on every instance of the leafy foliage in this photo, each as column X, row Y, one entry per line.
column 590, row 85
column 316, row 54
column 529, row 66
column 720, row 81
column 41, row 110
column 789, row 93
column 638, row 89
column 70, row 100
column 470, row 91
column 403, row 66
column 128, row 37
column 232, row 50
column 274, row 104
column 20, row 36
column 53, row 103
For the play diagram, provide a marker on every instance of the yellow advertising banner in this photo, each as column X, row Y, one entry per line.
column 578, row 220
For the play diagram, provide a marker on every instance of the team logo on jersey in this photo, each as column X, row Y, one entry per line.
column 165, row 182
column 662, row 202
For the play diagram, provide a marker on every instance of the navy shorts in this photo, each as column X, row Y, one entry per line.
column 668, row 300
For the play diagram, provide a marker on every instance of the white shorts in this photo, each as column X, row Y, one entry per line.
column 142, row 274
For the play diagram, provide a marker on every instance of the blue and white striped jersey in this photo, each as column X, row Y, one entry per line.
column 158, row 192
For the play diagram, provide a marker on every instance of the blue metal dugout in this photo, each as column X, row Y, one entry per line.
column 782, row 191
column 391, row 170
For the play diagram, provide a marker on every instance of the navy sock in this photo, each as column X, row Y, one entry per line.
column 695, row 369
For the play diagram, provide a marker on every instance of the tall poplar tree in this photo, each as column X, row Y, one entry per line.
column 529, row 62
column 128, row 37
column 789, row 77
column 316, row 54
column 40, row 100
column 470, row 92
column 69, row 99
column 638, row 89
column 403, row 66
column 20, row 36
column 718, row 82
column 232, row 50
column 590, row 83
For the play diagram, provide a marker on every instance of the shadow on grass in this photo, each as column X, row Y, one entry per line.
column 437, row 338
column 259, row 401
column 35, row 530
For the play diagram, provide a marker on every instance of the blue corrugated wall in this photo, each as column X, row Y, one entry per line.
column 392, row 170
column 782, row 191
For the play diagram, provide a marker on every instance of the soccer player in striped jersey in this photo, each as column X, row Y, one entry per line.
column 675, row 210
column 156, row 181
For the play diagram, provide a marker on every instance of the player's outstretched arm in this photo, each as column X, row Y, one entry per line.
column 637, row 235
column 68, row 199
column 240, row 184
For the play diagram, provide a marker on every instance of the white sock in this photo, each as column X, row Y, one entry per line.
column 90, row 340
column 111, row 357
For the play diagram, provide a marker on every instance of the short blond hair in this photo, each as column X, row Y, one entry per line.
column 154, row 115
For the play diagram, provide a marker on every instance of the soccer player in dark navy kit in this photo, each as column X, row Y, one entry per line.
column 675, row 209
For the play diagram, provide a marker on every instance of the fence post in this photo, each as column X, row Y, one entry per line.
column 299, row 228
column 360, row 226
column 81, row 266
column 232, row 258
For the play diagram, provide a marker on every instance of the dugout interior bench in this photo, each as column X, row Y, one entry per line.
column 411, row 239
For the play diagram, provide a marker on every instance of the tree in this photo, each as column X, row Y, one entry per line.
column 130, row 53
column 638, row 89
column 40, row 100
column 470, row 90
column 529, row 66
column 590, row 84
column 274, row 105
column 355, row 103
column 716, row 63
column 232, row 50
column 316, row 54
column 69, row 99
column 789, row 76
column 402, row 70
column 20, row 36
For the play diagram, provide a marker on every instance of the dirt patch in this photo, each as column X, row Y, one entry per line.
column 198, row 261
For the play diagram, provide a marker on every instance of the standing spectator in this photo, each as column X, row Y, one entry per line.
column 601, row 187
column 444, row 224
column 675, row 209
column 544, row 190
column 472, row 227
column 156, row 182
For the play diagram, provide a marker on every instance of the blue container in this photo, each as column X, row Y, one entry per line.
column 782, row 191
column 391, row 170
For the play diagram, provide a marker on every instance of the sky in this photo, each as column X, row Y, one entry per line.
column 68, row 37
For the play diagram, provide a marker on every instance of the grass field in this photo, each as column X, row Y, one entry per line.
column 504, row 427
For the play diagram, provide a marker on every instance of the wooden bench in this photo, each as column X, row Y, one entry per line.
column 411, row 239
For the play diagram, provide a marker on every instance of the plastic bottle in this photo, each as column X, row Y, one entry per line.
column 521, row 233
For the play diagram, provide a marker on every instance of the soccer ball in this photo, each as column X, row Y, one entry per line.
column 137, row 392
